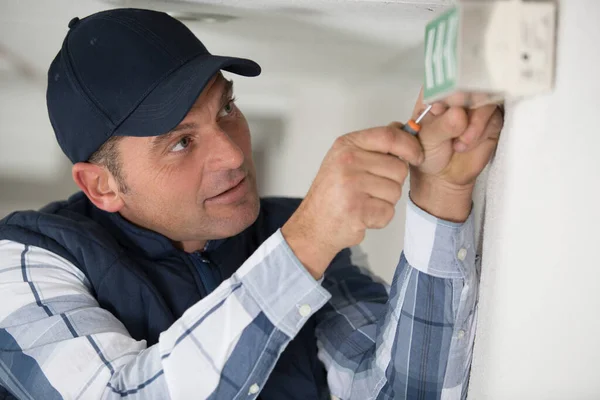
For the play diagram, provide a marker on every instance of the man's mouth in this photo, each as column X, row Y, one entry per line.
column 232, row 193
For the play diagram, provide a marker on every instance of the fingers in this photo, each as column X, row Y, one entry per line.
column 478, row 120
column 384, row 165
column 404, row 145
column 448, row 124
column 378, row 187
column 495, row 124
column 484, row 122
column 389, row 139
column 466, row 99
column 377, row 213
column 458, row 99
column 489, row 139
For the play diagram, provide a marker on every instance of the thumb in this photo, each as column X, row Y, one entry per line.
column 447, row 125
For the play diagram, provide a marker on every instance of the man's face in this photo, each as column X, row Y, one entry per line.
column 197, row 182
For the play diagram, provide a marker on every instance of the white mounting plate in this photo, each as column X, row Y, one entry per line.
column 499, row 50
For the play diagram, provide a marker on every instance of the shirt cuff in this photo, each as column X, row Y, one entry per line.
column 437, row 247
column 284, row 290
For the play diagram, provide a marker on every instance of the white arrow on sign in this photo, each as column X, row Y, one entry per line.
column 429, row 58
column 438, row 63
column 450, row 46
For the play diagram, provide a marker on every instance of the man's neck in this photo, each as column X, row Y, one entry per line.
column 191, row 246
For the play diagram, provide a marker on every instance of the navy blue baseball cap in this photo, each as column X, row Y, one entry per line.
column 127, row 72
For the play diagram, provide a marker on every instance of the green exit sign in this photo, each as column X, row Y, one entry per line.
column 441, row 54
column 490, row 51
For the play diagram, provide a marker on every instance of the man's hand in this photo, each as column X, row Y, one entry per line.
column 359, row 183
column 458, row 144
column 361, row 178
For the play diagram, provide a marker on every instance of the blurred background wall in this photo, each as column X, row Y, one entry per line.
column 329, row 67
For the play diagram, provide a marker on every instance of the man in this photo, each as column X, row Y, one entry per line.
column 167, row 276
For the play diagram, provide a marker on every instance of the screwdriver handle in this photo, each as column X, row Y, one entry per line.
column 412, row 127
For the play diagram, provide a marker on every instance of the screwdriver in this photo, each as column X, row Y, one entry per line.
column 413, row 127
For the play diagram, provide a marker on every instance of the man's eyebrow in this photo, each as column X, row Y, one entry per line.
column 157, row 141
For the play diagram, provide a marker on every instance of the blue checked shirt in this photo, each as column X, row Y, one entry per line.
column 414, row 343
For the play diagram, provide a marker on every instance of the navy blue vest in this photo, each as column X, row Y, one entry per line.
column 147, row 283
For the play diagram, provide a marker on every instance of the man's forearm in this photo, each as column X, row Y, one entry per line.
column 250, row 317
column 418, row 342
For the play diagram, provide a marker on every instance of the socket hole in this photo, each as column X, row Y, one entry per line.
column 525, row 57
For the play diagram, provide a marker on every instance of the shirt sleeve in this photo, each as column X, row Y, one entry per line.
column 415, row 342
column 56, row 342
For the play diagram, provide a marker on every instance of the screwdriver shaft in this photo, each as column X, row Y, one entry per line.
column 423, row 114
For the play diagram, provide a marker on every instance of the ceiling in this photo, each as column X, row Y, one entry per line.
column 287, row 37
column 386, row 21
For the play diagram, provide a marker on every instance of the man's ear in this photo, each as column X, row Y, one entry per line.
column 99, row 186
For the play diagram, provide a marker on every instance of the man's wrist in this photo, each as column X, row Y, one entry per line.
column 310, row 251
column 441, row 199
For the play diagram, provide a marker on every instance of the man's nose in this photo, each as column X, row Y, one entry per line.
column 224, row 153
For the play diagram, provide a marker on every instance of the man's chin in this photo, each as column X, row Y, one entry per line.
column 236, row 218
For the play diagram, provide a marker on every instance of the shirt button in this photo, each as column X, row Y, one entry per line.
column 462, row 254
column 461, row 334
column 305, row 310
column 253, row 389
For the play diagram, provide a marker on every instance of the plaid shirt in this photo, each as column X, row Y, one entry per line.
column 415, row 343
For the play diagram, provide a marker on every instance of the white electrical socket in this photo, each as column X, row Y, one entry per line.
column 535, row 72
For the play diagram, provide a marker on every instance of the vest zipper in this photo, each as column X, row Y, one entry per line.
column 210, row 274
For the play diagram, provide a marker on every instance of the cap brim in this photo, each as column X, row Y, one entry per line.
column 169, row 102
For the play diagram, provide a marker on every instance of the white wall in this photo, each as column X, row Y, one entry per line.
column 26, row 153
column 539, row 327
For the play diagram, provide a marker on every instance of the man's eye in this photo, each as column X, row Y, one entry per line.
column 227, row 109
column 182, row 144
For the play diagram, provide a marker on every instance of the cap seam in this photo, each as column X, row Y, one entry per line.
column 80, row 87
column 141, row 30
column 124, row 22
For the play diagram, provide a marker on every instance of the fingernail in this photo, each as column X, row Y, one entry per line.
column 460, row 147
